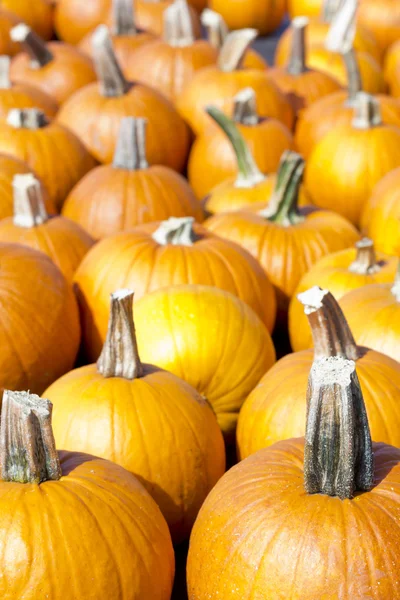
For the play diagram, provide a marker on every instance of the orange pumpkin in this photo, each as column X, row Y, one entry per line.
column 74, row 19
column 265, row 418
column 306, row 8
column 40, row 332
column 160, row 255
column 8, row 20
column 263, row 15
column 75, row 495
column 212, row 159
column 340, row 273
column 38, row 15
column 150, row 16
column 94, row 113
column 144, row 419
column 27, row 135
column 391, row 68
column 382, row 18
column 219, row 85
column 113, row 198
column 346, row 164
column 223, row 365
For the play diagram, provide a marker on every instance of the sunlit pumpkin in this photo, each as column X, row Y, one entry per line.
column 263, row 15
column 391, row 68
column 382, row 18
column 307, row 8
column 74, row 19
column 150, row 16
column 38, row 15
column 8, row 20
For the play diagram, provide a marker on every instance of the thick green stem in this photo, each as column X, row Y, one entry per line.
column 297, row 59
column 176, row 231
column 130, row 153
column 33, row 44
column 234, row 49
column 112, row 82
column 245, row 107
column 367, row 112
column 365, row 262
column 123, row 18
column 29, row 207
column 178, row 25
column 217, row 29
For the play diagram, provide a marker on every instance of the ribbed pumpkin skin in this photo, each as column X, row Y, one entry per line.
column 149, row 16
column 276, row 410
column 209, row 338
column 21, row 95
column 332, row 273
column 100, row 503
column 259, row 535
column 347, row 163
column 382, row 18
column 7, row 21
column 74, row 18
column 391, row 66
column 157, row 427
column 212, row 159
column 39, row 333
column 263, row 15
column 134, row 260
column 38, row 15
column 108, row 200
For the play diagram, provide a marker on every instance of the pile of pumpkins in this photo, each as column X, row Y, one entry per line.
column 199, row 266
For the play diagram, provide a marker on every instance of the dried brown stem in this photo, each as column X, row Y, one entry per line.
column 111, row 80
column 5, row 82
column 175, row 231
column 234, row 49
column 123, row 18
column 178, row 25
column 130, row 153
column 297, row 60
column 367, row 111
column 245, row 107
column 217, row 29
column 365, row 262
column 28, row 118
column 29, row 207
column 33, row 44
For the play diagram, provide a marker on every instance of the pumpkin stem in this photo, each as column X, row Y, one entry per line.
column 367, row 111
column 249, row 174
column 34, row 45
column 330, row 330
column 234, row 49
column 123, row 18
column 282, row 208
column 109, row 73
column 354, row 82
column 5, row 82
column 338, row 456
column 329, row 9
column 175, row 231
column 217, row 29
column 297, row 60
column 396, row 286
column 178, row 25
column 29, row 207
column 342, row 30
column 130, row 153
column 365, row 262
column 27, row 448
column 245, row 107
column 120, row 356
column 28, row 118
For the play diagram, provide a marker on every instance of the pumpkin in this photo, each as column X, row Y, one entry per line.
column 218, row 86
column 40, row 332
column 286, row 240
column 225, row 363
column 94, row 113
column 74, row 19
column 382, row 18
column 38, row 15
column 28, row 135
column 308, row 517
column 62, row 240
column 373, row 314
column 169, row 64
column 212, row 159
column 144, row 419
column 8, row 20
column 55, row 68
column 79, row 497
column 346, row 164
column 150, row 16
column 263, row 15
column 113, row 198
column 381, row 216
column 340, row 273
column 391, row 68
column 266, row 418
column 160, row 255
column 307, row 8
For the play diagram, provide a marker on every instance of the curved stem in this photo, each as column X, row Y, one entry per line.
column 120, row 357
column 123, row 18
column 245, row 107
column 178, row 25
column 234, row 49
column 367, row 111
column 5, row 82
column 175, row 231
column 365, row 262
column 33, row 44
column 330, row 330
column 28, row 118
column 109, row 73
column 217, row 29
column 130, row 153
column 338, row 456
column 249, row 174
column 342, row 30
column 396, row 286
column 297, row 59
column 27, row 448
column 354, row 82
column 29, row 207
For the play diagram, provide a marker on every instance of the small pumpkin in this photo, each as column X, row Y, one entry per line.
column 263, row 15
column 212, row 159
column 8, row 20
column 348, row 162
column 74, row 19
column 29, row 136
column 113, row 198
column 144, row 419
column 150, row 16
column 160, row 255
column 78, row 497
column 38, row 15
column 340, row 273
column 382, row 18
column 94, row 113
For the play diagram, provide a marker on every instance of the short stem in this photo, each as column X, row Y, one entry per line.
column 27, row 448
column 283, row 206
column 217, row 29
column 123, row 18
column 28, row 118
column 5, row 82
column 396, row 286
column 130, row 153
column 112, row 82
column 34, row 45
column 249, row 174
column 245, row 107
column 29, row 207
column 330, row 330
column 297, row 60
column 354, row 82
column 342, row 30
column 234, row 49
column 329, row 9
column 120, row 356
column 338, row 456
column 178, row 25
column 365, row 262
column 175, row 231
column 367, row 111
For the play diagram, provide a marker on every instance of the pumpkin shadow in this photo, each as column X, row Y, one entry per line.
column 88, row 328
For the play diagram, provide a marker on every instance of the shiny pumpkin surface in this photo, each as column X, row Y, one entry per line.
column 304, row 8
column 22, row 95
column 209, row 338
column 74, row 18
column 149, row 16
column 259, row 535
column 125, row 47
column 158, row 427
column 109, row 510
column 7, row 21
column 37, row 15
column 382, row 18
column 263, row 15
column 39, row 329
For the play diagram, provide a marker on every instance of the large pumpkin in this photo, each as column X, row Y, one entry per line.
column 79, row 497
column 74, row 19
column 275, row 410
column 113, row 198
column 8, row 20
column 39, row 333
column 38, row 15
column 144, row 419
column 263, row 15
column 160, row 255
column 275, row 527
column 94, row 113
column 382, row 18
column 150, row 16
column 307, row 8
